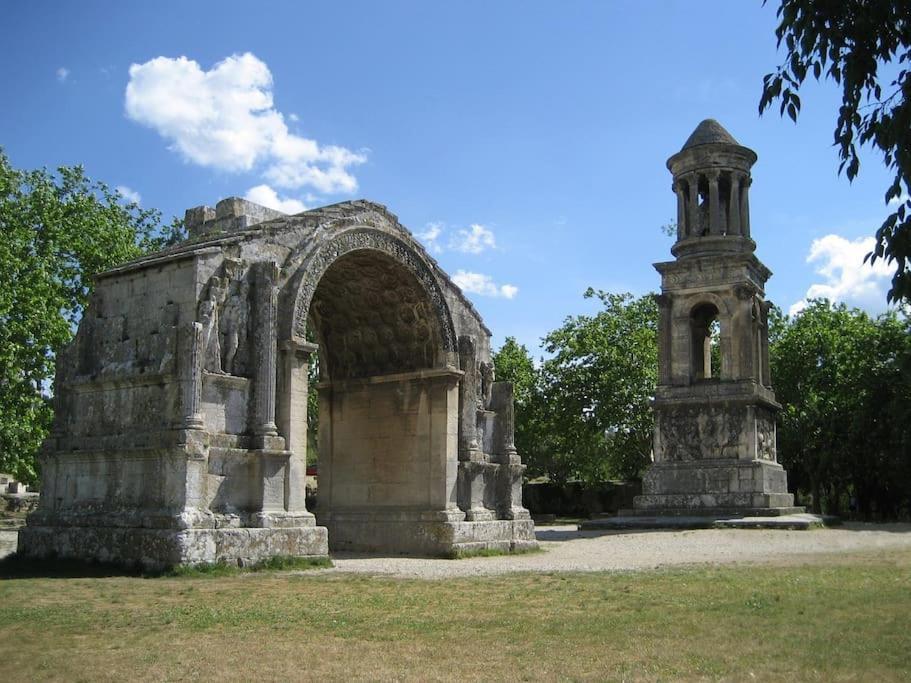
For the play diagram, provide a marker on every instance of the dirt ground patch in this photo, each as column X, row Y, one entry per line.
column 569, row 550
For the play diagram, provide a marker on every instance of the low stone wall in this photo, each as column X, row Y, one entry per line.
column 576, row 499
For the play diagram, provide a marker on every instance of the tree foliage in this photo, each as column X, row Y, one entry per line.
column 58, row 230
column 587, row 414
column 844, row 380
column 864, row 46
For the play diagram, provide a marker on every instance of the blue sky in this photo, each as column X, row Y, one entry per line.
column 530, row 138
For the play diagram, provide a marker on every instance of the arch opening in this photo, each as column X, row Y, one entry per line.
column 371, row 317
column 386, row 401
column 705, row 330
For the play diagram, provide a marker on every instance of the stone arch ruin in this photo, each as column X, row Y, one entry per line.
column 181, row 406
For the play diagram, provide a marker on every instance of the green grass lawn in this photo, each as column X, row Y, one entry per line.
column 849, row 619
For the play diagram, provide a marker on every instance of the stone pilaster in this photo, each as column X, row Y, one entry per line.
column 264, row 349
column 504, row 436
column 291, row 416
column 664, row 338
column 766, row 376
column 469, row 445
column 189, row 377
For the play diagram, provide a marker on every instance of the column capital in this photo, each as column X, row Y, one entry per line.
column 298, row 347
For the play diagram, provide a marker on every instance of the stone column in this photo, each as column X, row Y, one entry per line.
column 469, row 447
column 511, row 469
column 734, row 203
column 503, row 403
column 681, row 209
column 693, row 182
column 766, row 378
column 264, row 349
column 291, row 416
column 664, row 338
column 745, row 207
column 714, row 205
column 189, row 379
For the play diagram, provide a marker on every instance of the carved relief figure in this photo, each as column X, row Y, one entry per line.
column 485, row 386
column 208, row 317
column 233, row 328
column 765, row 439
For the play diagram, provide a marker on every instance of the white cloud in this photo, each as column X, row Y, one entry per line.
column 474, row 240
column 224, row 118
column 293, row 117
column 430, row 236
column 62, row 74
column 266, row 196
column 847, row 277
column 129, row 194
column 900, row 199
column 478, row 283
column 509, row 291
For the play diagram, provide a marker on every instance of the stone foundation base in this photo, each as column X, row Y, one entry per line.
column 715, row 487
column 161, row 548
column 421, row 534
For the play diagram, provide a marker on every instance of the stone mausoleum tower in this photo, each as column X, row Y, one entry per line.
column 714, row 406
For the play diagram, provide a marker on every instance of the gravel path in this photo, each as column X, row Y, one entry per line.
column 569, row 550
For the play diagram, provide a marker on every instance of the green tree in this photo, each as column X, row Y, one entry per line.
column 58, row 231
column 513, row 363
column 862, row 46
column 595, row 419
column 844, row 431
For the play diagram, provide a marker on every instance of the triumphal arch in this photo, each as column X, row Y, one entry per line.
column 181, row 406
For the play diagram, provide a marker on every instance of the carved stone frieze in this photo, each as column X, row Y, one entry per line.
column 765, row 438
column 699, row 432
column 224, row 313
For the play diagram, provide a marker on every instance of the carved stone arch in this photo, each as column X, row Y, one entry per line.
column 696, row 300
column 301, row 287
column 726, row 332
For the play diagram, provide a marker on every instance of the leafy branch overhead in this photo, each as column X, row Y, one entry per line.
column 864, row 46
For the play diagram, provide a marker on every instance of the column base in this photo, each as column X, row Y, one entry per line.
column 411, row 533
column 156, row 549
column 715, row 487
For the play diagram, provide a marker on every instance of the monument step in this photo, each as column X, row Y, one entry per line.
column 794, row 521
column 717, row 512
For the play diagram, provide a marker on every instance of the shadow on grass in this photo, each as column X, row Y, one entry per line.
column 18, row 567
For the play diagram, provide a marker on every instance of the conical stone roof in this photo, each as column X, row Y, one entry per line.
column 709, row 132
